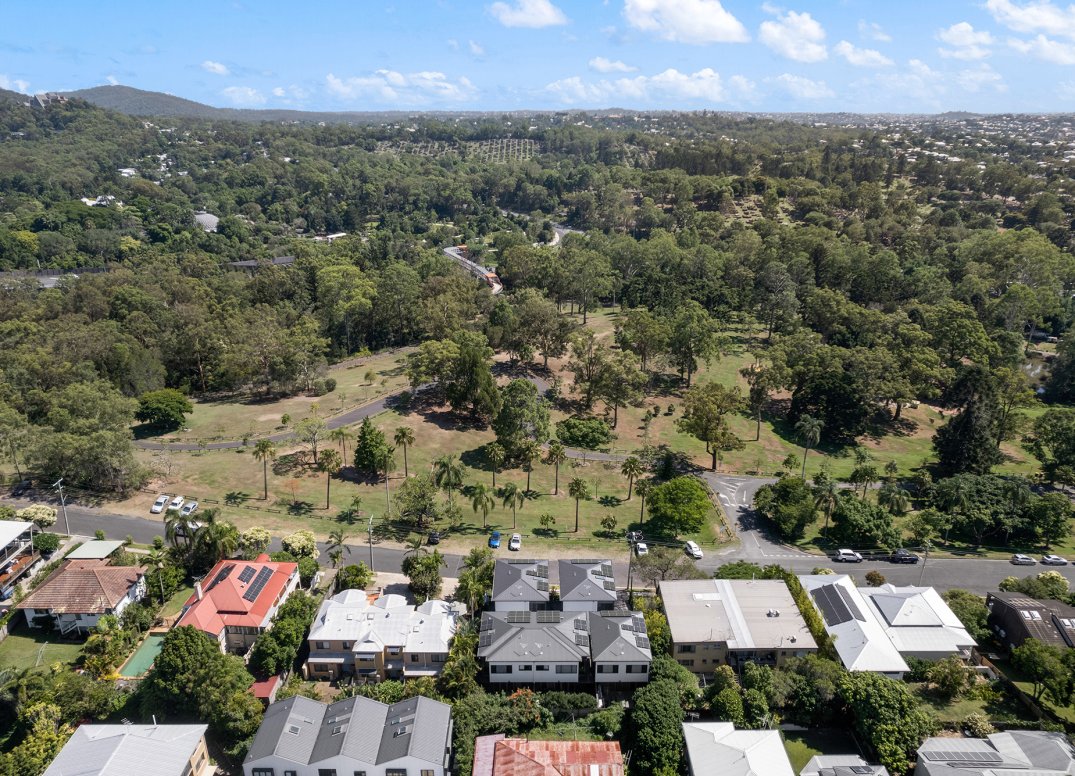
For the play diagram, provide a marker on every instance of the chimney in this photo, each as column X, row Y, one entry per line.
column 198, row 590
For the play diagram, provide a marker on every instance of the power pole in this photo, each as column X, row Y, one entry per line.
column 369, row 533
column 63, row 504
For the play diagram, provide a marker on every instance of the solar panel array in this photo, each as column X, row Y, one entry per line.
column 641, row 642
column 969, row 757
column 518, row 617
column 246, row 574
column 540, row 571
column 485, row 638
column 639, row 624
column 549, row 616
column 836, row 605
column 582, row 640
column 263, row 577
column 222, row 575
column 609, row 584
column 543, row 585
column 606, row 569
column 863, row 769
column 487, row 623
column 582, row 624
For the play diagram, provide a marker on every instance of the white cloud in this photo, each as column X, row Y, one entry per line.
column 702, row 86
column 528, row 13
column 475, row 48
column 14, row 84
column 602, row 65
column 216, row 68
column 918, row 82
column 112, row 80
column 279, row 91
column 980, row 79
column 1041, row 47
column 801, row 88
column 244, row 96
column 966, row 42
column 873, row 31
column 390, row 86
column 861, row 57
column 453, row 44
column 1035, row 16
column 685, row 21
column 290, row 93
column 794, row 35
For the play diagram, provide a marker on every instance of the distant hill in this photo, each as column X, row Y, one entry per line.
column 6, row 95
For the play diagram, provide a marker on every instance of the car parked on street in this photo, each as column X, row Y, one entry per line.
column 1022, row 560
column 21, row 487
column 1053, row 560
column 847, row 556
column 903, row 556
column 494, row 540
column 641, row 549
column 176, row 503
column 159, row 504
column 434, row 537
column 692, row 549
column 515, row 543
column 188, row 508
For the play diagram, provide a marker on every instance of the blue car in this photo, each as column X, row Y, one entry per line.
column 494, row 540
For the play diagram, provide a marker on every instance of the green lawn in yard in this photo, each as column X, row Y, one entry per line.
column 1064, row 713
column 1000, row 706
column 34, row 648
column 174, row 604
column 801, row 745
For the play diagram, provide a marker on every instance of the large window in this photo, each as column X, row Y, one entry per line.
column 540, row 667
column 262, row 772
column 685, row 649
column 322, row 645
column 639, row 669
column 525, row 667
column 603, row 668
column 395, row 772
column 427, row 772
column 495, row 669
column 567, row 669
column 326, row 772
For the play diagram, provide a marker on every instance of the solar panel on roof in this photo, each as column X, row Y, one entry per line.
column 543, row 571
column 639, row 624
column 581, row 639
column 485, row 638
column 642, row 642
column 863, row 769
column 543, row 585
column 833, row 606
column 222, row 575
column 487, row 623
column 850, row 603
column 246, row 574
column 252, row 592
column 548, row 616
column 582, row 624
column 519, row 617
column 609, row 584
column 606, row 569
column 959, row 756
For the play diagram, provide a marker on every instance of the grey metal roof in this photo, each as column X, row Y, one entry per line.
column 620, row 638
column 120, row 750
column 1030, row 751
column 584, row 580
column 521, row 580
column 502, row 639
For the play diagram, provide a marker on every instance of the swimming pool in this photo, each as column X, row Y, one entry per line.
column 143, row 657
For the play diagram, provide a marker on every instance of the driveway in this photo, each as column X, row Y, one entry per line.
column 757, row 542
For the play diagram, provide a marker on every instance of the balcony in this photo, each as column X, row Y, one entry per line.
column 15, row 568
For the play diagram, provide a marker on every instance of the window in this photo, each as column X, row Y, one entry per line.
column 685, row 648
column 395, row 772
column 687, row 663
column 526, row 668
column 347, row 645
column 262, row 772
column 290, row 773
column 604, row 668
column 326, row 772
column 495, row 669
column 360, row 773
column 567, row 669
column 440, row 658
column 541, row 668
column 639, row 669
column 395, row 650
column 427, row 772
column 414, row 658
column 322, row 645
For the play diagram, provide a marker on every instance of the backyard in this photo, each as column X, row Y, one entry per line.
column 37, row 649
column 801, row 745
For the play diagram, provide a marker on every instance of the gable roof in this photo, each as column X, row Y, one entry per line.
column 94, row 550
column 120, row 750
column 558, row 637
column 618, row 636
column 496, row 755
column 587, row 580
column 307, row 732
column 521, row 580
column 718, row 748
column 841, row 765
column 237, row 593
column 84, row 587
column 1028, row 751
column 1051, row 622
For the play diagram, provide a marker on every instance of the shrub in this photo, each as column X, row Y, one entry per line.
column 875, row 578
column 47, row 543
column 977, row 726
column 564, row 704
column 330, row 384
column 587, row 433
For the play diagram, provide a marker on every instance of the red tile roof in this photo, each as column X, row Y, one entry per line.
column 499, row 756
column 222, row 602
column 84, row 587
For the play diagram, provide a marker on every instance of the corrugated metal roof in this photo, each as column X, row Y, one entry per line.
column 122, row 750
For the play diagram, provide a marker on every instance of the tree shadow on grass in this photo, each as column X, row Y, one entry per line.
column 610, row 501
column 236, row 498
column 292, row 463
column 300, row 508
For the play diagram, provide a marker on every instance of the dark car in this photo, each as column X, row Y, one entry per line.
column 20, row 487
column 434, row 537
column 633, row 537
column 903, row 556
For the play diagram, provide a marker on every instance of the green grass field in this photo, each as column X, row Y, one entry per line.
column 36, row 649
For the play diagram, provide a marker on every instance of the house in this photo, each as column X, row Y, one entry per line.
column 587, row 585
column 554, row 647
column 1017, row 618
column 841, row 765
column 1032, row 751
column 120, row 750
column 498, row 755
column 235, row 602
column 520, row 585
column 17, row 554
column 302, row 737
column 733, row 621
column 383, row 639
column 80, row 592
column 718, row 749
column 918, row 622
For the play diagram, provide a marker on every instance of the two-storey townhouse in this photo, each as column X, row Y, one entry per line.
column 520, row 585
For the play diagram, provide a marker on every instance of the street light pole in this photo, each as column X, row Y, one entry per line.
column 369, row 533
column 925, row 557
column 63, row 504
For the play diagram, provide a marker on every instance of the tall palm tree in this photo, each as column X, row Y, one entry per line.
column 178, row 528
column 642, row 488
column 511, row 495
column 218, row 539
column 330, row 463
column 416, row 546
column 496, row 455
column 893, row 498
column 404, row 437
column 341, row 436
column 557, row 455
column 578, row 490
column 531, row 451
column 385, row 462
column 481, row 500
column 448, row 474
column 265, row 451
column 826, row 493
column 337, row 546
column 808, row 430
column 155, row 558
column 631, row 469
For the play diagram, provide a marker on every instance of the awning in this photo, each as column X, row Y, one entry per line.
column 420, row 672
column 318, row 659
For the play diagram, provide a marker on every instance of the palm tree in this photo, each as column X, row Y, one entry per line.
column 530, row 452
column 216, row 538
column 808, row 430
column 341, row 436
column 265, row 451
column 448, row 473
column 385, row 462
column 337, row 546
column 826, row 493
column 155, row 559
column 177, row 526
column 404, row 437
column 496, row 455
column 481, row 500
column 512, row 496
column 330, row 464
column 893, row 498
column 557, row 455
column 631, row 468
column 415, row 546
column 642, row 488
column 578, row 490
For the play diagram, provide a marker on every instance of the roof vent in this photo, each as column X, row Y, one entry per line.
column 293, row 729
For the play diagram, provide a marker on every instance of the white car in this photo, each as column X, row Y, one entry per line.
column 692, row 549
column 1022, row 560
column 176, row 503
column 641, row 549
column 516, row 542
column 159, row 505
column 847, row 556
column 188, row 508
column 1053, row 560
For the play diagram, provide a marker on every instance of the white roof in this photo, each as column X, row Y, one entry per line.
column 120, row 750
column 860, row 639
column 718, row 748
column 94, row 550
column 10, row 530
column 389, row 621
column 918, row 620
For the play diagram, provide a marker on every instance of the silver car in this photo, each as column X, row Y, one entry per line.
column 1053, row 560
column 1022, row 560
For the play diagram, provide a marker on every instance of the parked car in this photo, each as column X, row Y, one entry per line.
column 1053, row 560
column 692, row 549
column 641, row 549
column 1022, row 560
column 847, row 556
column 188, row 508
column 434, row 537
column 20, row 488
column 633, row 537
column 903, row 556
column 159, row 504
column 494, row 540
column 176, row 503
column 516, row 542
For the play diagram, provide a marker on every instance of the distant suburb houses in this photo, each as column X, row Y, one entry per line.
column 236, row 600
column 385, row 638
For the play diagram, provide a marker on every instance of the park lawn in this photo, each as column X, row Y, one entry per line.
column 235, row 418
column 36, row 649
column 801, row 745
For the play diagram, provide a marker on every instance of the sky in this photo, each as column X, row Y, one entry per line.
column 868, row 56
